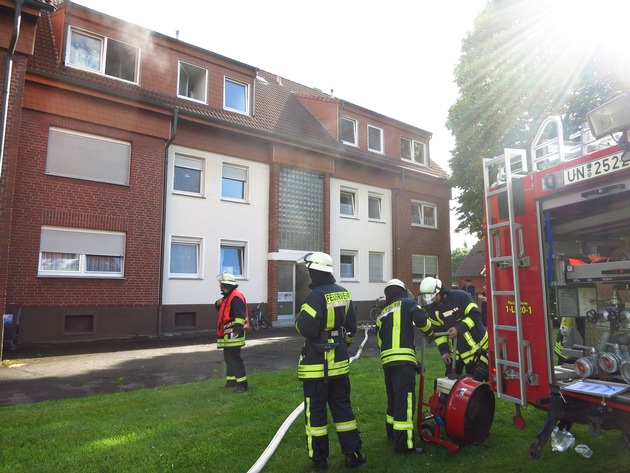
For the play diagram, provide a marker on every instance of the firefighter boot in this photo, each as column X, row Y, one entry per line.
column 320, row 464
column 355, row 459
column 230, row 383
column 241, row 388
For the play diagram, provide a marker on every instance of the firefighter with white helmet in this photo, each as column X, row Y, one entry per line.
column 327, row 320
column 452, row 311
column 396, row 343
column 231, row 325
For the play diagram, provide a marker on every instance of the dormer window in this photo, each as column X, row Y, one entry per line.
column 414, row 151
column 375, row 139
column 192, row 82
column 102, row 55
column 348, row 131
column 235, row 96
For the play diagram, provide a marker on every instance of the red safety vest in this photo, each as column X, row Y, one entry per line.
column 225, row 322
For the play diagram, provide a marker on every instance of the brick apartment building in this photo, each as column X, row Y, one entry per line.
column 137, row 167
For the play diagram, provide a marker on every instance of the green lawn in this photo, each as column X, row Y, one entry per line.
column 203, row 427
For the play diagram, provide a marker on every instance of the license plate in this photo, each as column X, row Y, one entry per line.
column 593, row 169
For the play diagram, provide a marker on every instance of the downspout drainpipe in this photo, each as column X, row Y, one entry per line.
column 17, row 21
column 8, row 70
column 163, row 236
column 394, row 225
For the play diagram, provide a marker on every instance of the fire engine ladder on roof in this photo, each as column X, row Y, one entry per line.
column 509, row 166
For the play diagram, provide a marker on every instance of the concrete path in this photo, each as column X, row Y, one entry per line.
column 48, row 372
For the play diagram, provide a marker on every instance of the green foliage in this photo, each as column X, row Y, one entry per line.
column 204, row 427
column 457, row 256
column 519, row 65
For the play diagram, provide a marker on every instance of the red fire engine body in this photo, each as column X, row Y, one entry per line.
column 557, row 231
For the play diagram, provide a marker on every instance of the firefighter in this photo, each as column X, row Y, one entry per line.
column 566, row 324
column 396, row 343
column 452, row 311
column 231, row 325
column 327, row 320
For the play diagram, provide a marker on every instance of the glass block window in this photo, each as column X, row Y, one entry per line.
column 301, row 209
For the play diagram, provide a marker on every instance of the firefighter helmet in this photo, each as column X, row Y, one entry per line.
column 429, row 288
column 318, row 261
column 396, row 282
column 565, row 325
column 227, row 279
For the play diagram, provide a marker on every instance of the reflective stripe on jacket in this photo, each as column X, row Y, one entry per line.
column 395, row 330
column 327, row 320
column 228, row 317
column 460, row 312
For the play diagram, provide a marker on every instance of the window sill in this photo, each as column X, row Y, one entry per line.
column 80, row 276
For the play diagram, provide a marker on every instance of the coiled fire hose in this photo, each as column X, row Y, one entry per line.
column 273, row 445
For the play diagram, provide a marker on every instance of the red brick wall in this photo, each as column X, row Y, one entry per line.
column 52, row 200
column 10, row 158
column 410, row 240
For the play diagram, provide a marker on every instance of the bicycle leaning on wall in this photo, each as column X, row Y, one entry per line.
column 376, row 309
column 257, row 318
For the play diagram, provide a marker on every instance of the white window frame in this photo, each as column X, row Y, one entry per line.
column 245, row 86
column 379, row 198
column 344, row 254
column 352, row 195
column 380, row 148
column 413, row 145
column 104, row 49
column 242, row 250
column 353, row 122
column 424, row 266
column 372, row 264
column 80, row 245
column 195, row 81
column 423, row 207
column 197, row 244
column 192, row 163
column 235, row 172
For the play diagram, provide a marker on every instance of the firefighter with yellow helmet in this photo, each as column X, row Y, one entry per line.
column 396, row 342
column 452, row 311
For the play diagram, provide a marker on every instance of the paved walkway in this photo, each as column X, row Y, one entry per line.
column 34, row 373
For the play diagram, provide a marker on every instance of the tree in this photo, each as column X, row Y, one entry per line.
column 517, row 67
column 457, row 256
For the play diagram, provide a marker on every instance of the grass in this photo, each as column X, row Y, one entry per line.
column 203, row 427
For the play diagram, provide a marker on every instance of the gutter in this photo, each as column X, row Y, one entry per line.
column 17, row 22
column 160, row 310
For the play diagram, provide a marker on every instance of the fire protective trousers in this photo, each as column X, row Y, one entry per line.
column 400, row 385
column 336, row 395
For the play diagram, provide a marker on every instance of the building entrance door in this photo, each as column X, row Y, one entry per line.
column 293, row 288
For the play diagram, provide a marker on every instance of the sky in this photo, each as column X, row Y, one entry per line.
column 395, row 58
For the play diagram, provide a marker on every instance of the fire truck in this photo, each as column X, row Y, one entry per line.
column 557, row 236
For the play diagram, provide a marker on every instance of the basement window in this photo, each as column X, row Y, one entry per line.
column 78, row 324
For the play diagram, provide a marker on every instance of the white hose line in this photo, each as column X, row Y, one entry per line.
column 273, row 445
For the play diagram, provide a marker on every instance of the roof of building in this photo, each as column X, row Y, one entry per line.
column 474, row 262
column 280, row 111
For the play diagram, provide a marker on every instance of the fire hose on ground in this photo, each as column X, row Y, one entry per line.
column 273, row 445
